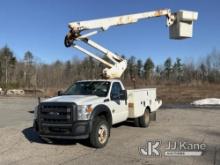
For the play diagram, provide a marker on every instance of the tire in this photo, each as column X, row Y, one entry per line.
column 100, row 133
column 136, row 122
column 144, row 120
column 153, row 116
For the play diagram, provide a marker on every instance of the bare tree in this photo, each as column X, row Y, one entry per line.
column 28, row 69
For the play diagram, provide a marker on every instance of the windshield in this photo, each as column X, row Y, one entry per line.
column 98, row 88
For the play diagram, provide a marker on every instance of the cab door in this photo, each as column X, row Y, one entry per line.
column 118, row 103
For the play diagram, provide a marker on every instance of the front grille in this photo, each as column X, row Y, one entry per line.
column 59, row 120
column 55, row 113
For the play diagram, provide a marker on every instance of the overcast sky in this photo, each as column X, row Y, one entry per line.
column 41, row 25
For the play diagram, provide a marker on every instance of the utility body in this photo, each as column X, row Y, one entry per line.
column 89, row 108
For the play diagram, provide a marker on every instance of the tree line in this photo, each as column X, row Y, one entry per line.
column 30, row 74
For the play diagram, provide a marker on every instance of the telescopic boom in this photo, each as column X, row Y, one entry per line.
column 180, row 27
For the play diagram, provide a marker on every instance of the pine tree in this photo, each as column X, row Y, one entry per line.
column 140, row 68
column 7, row 63
column 178, row 69
column 168, row 68
column 148, row 69
column 132, row 67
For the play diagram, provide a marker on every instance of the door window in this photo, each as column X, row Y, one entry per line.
column 116, row 89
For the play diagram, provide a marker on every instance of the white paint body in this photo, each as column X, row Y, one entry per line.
column 142, row 98
column 120, row 110
column 180, row 27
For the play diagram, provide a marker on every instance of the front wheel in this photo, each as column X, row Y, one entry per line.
column 100, row 133
column 144, row 120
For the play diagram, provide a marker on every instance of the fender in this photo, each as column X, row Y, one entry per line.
column 101, row 108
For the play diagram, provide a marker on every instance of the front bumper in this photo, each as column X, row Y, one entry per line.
column 59, row 120
column 76, row 130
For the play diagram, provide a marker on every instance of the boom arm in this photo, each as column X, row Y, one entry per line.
column 81, row 31
column 105, row 23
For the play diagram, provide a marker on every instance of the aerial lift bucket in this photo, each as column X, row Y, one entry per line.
column 183, row 26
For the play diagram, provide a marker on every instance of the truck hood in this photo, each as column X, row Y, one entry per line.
column 78, row 99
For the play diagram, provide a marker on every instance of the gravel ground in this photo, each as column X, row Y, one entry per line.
column 20, row 145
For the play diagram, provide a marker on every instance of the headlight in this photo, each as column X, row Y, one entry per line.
column 84, row 112
column 35, row 112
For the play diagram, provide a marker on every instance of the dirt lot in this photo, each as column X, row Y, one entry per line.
column 20, row 145
column 176, row 94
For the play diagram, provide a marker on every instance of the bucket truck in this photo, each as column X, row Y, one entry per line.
column 88, row 108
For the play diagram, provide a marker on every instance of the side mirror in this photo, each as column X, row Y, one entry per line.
column 123, row 95
column 59, row 93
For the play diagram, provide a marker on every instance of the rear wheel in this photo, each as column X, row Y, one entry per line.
column 144, row 120
column 100, row 133
column 153, row 116
column 136, row 122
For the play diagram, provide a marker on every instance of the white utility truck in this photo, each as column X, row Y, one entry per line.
column 88, row 108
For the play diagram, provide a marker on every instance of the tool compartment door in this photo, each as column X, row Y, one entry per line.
column 139, row 100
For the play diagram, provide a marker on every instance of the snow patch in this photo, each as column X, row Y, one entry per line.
column 207, row 101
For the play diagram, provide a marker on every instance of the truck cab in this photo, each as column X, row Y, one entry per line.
column 88, row 109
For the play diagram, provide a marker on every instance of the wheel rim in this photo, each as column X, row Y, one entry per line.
column 146, row 117
column 103, row 134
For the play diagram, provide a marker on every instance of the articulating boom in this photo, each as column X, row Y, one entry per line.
column 180, row 24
